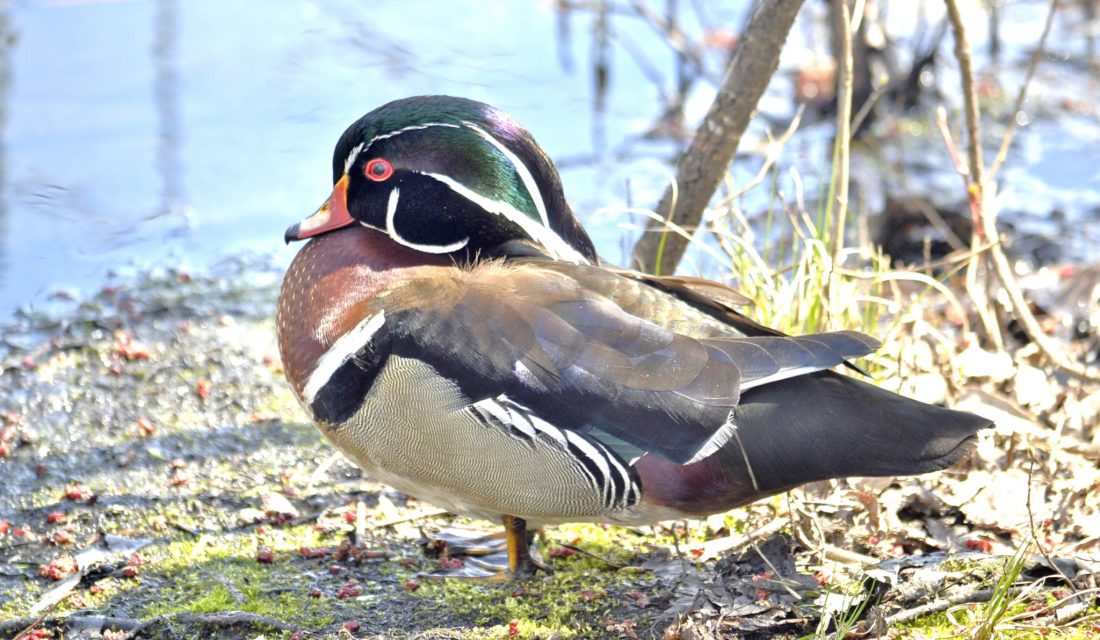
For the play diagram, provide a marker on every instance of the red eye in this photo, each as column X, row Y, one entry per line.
column 378, row 170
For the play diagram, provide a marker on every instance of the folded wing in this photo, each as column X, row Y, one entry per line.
column 542, row 335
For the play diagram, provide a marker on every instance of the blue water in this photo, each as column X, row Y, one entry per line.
column 151, row 133
column 146, row 133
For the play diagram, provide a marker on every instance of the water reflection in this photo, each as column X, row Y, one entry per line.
column 155, row 132
column 7, row 42
column 162, row 132
column 166, row 100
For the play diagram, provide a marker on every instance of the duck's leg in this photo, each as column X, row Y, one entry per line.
column 498, row 556
column 521, row 564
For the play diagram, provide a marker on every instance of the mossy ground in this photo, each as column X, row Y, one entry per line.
column 159, row 414
column 160, row 417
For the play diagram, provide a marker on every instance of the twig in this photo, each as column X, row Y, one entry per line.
column 1057, row 607
column 973, row 178
column 360, row 523
column 1027, row 320
column 779, row 580
column 838, row 187
column 714, row 548
column 427, row 513
column 219, row 619
column 775, row 148
column 845, row 556
column 674, row 36
column 976, row 596
column 30, row 622
column 27, row 625
column 594, row 556
column 843, row 122
column 868, row 104
column 1032, row 63
column 986, row 223
column 970, row 100
column 981, row 301
column 1031, row 523
column 134, row 627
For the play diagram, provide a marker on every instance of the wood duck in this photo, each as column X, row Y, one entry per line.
column 450, row 329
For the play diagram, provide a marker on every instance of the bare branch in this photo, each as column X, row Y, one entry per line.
column 970, row 99
column 843, row 120
column 1033, row 62
column 701, row 168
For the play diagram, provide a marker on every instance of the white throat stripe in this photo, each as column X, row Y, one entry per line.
column 391, row 213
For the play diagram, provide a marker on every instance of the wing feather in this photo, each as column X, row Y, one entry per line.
column 596, row 364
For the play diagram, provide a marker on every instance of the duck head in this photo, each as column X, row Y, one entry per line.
column 446, row 175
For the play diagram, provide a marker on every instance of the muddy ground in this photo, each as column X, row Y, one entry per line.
column 159, row 480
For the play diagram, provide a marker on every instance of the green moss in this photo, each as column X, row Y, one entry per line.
column 965, row 619
column 211, row 574
column 241, row 588
column 582, row 592
column 982, row 567
column 616, row 544
column 16, row 603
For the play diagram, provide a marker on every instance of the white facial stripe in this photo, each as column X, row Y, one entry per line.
column 412, row 127
column 540, row 234
column 391, row 212
column 521, row 169
column 354, row 155
column 340, row 352
column 355, row 151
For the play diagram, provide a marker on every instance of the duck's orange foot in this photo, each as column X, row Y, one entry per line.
column 498, row 556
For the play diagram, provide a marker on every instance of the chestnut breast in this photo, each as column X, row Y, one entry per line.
column 329, row 287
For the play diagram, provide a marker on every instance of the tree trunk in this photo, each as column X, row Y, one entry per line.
column 702, row 166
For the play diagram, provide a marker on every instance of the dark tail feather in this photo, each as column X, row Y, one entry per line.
column 807, row 428
column 830, row 426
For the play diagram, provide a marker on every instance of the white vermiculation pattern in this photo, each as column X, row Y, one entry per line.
column 529, row 426
column 345, row 347
column 391, row 213
column 357, row 149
